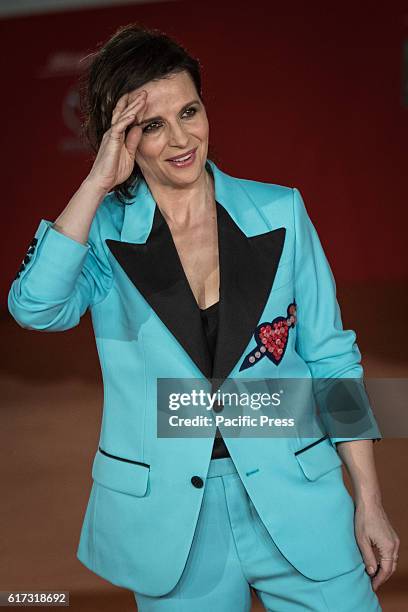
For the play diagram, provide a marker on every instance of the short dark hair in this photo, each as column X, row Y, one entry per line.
column 131, row 57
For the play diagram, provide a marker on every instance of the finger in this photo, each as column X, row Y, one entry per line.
column 371, row 567
column 121, row 103
column 134, row 107
column 117, row 131
column 124, row 107
column 384, row 573
column 141, row 113
column 142, row 93
column 395, row 554
column 120, row 111
column 120, row 126
column 132, row 141
column 128, row 105
column 368, row 555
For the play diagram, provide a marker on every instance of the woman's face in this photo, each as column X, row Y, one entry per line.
column 180, row 124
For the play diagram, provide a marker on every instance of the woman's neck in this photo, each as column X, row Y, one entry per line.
column 181, row 207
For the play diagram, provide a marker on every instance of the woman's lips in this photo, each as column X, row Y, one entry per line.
column 187, row 160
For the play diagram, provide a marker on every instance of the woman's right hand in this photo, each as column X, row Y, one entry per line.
column 116, row 155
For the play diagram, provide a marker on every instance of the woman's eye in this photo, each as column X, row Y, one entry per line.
column 192, row 109
column 151, row 125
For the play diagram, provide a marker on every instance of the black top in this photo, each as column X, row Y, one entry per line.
column 209, row 317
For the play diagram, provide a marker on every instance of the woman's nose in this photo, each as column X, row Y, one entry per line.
column 178, row 135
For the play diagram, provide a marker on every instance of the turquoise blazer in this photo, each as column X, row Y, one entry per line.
column 146, row 490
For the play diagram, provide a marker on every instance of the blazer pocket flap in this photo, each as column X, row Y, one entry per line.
column 318, row 459
column 120, row 474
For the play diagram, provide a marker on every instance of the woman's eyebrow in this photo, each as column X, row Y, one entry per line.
column 158, row 118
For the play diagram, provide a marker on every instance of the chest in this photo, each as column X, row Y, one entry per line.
column 197, row 248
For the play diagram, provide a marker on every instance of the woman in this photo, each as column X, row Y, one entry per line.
column 190, row 273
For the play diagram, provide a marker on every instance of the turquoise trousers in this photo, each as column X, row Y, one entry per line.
column 232, row 551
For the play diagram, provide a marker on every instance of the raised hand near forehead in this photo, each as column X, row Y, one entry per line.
column 116, row 155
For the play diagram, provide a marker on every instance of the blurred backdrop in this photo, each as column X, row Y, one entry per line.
column 308, row 95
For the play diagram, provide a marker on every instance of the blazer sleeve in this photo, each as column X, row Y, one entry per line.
column 330, row 351
column 59, row 279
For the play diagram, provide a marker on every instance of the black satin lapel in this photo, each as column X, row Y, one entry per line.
column 247, row 270
column 154, row 267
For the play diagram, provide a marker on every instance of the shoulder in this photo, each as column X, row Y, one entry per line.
column 261, row 190
column 282, row 200
column 265, row 190
column 271, row 199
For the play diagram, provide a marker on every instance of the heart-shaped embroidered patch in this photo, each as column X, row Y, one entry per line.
column 271, row 339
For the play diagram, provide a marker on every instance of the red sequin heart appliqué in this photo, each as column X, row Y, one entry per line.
column 271, row 339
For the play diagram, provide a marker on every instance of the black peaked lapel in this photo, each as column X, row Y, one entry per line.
column 248, row 266
column 154, row 267
column 247, row 270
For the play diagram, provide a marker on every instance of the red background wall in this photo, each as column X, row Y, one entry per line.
column 301, row 95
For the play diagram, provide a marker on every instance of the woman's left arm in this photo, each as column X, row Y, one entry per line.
column 372, row 527
column 331, row 352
